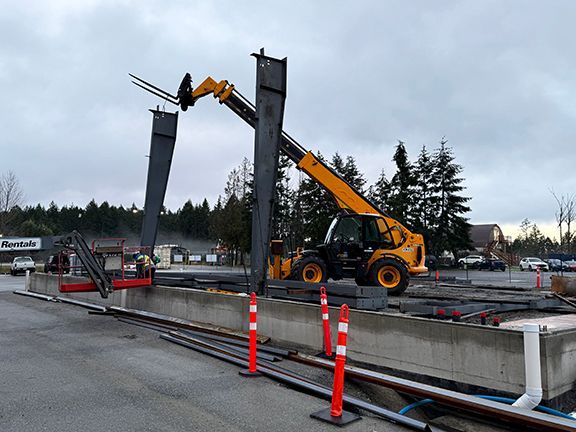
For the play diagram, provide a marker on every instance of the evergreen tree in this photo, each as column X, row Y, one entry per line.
column 531, row 241
column 317, row 209
column 426, row 196
column 379, row 192
column 204, row 220
column 352, row 174
column 402, row 186
column 217, row 220
column 186, row 219
column 283, row 201
column 452, row 230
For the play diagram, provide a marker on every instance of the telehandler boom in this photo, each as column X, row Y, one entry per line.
column 363, row 242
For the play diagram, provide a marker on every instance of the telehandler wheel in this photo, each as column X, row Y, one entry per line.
column 309, row 269
column 389, row 274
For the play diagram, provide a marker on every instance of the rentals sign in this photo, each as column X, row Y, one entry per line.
column 20, row 244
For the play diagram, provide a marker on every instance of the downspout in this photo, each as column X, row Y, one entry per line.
column 533, row 394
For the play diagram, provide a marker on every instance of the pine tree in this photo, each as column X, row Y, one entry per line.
column 217, row 221
column 401, row 199
column 426, row 196
column 379, row 192
column 204, row 220
column 352, row 174
column 452, row 230
column 317, row 208
column 283, row 201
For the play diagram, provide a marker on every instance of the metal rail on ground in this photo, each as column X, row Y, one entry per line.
column 297, row 381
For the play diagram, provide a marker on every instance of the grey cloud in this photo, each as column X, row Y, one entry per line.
column 495, row 77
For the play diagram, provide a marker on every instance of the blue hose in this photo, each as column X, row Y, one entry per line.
column 492, row 398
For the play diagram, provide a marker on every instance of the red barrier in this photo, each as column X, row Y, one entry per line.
column 325, row 322
column 437, row 276
column 538, row 278
column 252, row 370
column 335, row 414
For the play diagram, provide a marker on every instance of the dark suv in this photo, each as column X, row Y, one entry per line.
column 492, row 264
column 51, row 264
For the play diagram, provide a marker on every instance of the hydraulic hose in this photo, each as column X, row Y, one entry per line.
column 505, row 400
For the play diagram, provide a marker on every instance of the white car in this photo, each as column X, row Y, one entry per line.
column 471, row 261
column 21, row 264
column 532, row 264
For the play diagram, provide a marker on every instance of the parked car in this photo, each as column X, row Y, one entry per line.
column 21, row 264
column 558, row 265
column 492, row 264
column 532, row 264
column 555, row 264
column 569, row 265
column 472, row 261
column 51, row 264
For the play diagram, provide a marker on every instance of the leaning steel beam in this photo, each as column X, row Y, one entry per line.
column 296, row 381
column 516, row 416
column 270, row 97
column 164, row 127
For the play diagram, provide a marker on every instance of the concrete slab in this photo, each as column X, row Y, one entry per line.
column 557, row 322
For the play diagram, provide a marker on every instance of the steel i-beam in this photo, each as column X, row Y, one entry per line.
column 270, row 97
column 164, row 126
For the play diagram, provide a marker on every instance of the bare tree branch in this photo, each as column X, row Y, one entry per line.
column 11, row 195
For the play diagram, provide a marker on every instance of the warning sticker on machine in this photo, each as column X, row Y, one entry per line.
column 20, row 244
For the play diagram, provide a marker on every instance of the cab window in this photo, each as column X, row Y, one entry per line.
column 348, row 230
column 372, row 231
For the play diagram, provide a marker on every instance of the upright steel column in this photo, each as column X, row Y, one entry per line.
column 164, row 126
column 270, row 97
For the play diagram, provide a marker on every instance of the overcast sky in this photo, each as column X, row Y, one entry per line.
column 496, row 78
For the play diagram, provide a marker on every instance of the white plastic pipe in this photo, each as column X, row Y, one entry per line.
column 533, row 395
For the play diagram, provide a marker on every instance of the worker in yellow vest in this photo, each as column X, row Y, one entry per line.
column 143, row 265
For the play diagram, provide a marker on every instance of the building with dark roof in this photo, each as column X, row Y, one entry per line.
column 488, row 239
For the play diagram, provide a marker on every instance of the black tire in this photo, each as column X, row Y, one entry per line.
column 389, row 274
column 521, row 268
column 309, row 269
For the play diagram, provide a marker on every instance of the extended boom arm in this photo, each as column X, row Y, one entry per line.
column 346, row 196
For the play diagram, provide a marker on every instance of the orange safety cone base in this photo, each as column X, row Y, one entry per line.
column 346, row 417
column 247, row 373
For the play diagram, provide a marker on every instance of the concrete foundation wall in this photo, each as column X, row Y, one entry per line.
column 486, row 357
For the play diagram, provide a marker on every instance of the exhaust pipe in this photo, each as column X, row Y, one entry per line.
column 533, row 393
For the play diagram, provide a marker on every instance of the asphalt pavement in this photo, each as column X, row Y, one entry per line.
column 516, row 278
column 67, row 371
